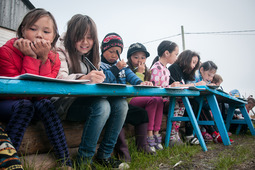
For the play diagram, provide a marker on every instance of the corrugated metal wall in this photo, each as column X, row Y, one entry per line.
column 12, row 12
column 11, row 15
column 5, row 35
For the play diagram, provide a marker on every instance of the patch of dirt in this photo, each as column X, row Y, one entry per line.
column 206, row 160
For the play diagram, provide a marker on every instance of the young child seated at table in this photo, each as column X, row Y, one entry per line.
column 183, row 70
column 33, row 52
column 217, row 80
column 117, row 72
column 206, row 72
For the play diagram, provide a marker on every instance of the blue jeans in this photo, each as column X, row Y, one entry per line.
column 98, row 113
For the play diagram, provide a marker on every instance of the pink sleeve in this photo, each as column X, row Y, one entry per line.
column 155, row 76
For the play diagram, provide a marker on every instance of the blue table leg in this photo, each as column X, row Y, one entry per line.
column 247, row 119
column 194, row 123
column 230, row 114
column 200, row 100
column 218, row 118
column 169, row 122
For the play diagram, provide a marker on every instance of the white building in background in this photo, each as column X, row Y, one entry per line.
column 11, row 14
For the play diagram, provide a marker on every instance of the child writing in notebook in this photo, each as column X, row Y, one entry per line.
column 160, row 75
column 217, row 80
column 32, row 53
column 206, row 72
column 116, row 72
column 79, row 43
column 137, row 55
column 183, row 70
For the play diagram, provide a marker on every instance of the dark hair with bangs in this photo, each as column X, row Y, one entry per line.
column 31, row 17
column 184, row 61
column 77, row 28
column 208, row 66
column 164, row 46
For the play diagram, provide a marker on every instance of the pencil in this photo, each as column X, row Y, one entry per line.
column 92, row 65
column 172, row 78
column 118, row 54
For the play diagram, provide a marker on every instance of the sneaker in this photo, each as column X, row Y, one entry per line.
column 158, row 140
column 175, row 140
column 151, row 143
column 239, row 116
column 207, row 137
column 147, row 150
column 112, row 163
column 217, row 138
column 192, row 140
column 229, row 134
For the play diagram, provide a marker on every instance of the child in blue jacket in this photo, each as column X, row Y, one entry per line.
column 117, row 72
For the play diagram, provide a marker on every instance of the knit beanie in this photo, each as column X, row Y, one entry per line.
column 111, row 40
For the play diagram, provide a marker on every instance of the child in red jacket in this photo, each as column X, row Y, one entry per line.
column 31, row 53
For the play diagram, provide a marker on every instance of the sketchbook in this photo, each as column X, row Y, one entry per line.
column 34, row 77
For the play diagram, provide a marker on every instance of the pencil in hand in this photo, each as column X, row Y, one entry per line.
column 172, row 78
column 92, row 65
column 118, row 54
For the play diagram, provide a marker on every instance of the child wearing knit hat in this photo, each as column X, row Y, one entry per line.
column 116, row 71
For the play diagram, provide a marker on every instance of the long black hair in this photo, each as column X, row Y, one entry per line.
column 184, row 61
column 164, row 46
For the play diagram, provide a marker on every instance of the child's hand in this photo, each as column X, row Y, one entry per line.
column 42, row 48
column 201, row 83
column 94, row 77
column 121, row 64
column 24, row 45
column 141, row 67
column 175, row 84
column 146, row 83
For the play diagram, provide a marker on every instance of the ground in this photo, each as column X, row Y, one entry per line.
column 208, row 160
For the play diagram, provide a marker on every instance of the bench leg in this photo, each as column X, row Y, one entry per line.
column 169, row 122
column 194, row 123
column 218, row 118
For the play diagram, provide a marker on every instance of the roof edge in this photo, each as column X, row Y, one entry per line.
column 28, row 4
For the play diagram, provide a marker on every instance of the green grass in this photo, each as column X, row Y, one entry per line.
column 236, row 156
column 223, row 157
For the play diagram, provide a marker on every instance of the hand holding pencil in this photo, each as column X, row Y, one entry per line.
column 95, row 76
column 121, row 63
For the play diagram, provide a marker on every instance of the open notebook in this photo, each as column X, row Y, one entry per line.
column 33, row 77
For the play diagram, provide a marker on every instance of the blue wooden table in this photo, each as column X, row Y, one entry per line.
column 10, row 87
column 13, row 87
column 214, row 96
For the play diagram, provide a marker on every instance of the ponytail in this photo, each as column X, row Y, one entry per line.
column 154, row 61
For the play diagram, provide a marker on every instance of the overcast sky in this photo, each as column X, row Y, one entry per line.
column 151, row 21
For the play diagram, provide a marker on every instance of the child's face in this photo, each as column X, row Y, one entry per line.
column 111, row 55
column 85, row 44
column 249, row 107
column 173, row 55
column 218, row 83
column 41, row 29
column 207, row 75
column 193, row 63
column 138, row 58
